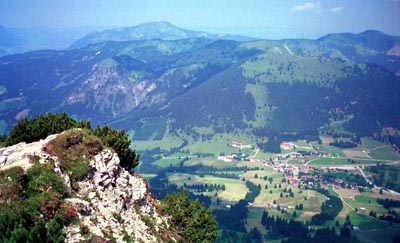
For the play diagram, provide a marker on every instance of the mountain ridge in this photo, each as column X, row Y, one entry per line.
column 180, row 86
column 9, row 42
column 147, row 31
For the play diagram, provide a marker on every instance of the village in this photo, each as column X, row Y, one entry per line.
column 301, row 175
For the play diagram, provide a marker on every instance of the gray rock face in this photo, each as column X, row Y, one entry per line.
column 117, row 203
column 20, row 154
column 110, row 202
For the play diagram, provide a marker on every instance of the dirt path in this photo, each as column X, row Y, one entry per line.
column 340, row 196
column 380, row 147
column 310, row 161
column 255, row 154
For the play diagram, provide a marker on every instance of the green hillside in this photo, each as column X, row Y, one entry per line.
column 158, row 88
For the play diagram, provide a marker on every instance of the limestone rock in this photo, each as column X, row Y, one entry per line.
column 119, row 203
column 111, row 201
column 20, row 154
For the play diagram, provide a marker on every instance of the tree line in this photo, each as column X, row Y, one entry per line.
column 44, row 125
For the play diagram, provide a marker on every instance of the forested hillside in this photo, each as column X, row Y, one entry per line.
column 196, row 87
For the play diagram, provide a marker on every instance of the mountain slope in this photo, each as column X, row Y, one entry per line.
column 9, row 42
column 149, row 31
column 190, row 86
column 369, row 46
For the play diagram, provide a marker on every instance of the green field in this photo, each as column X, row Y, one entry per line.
column 171, row 160
column 253, row 219
column 332, row 192
column 219, row 144
column 313, row 202
column 384, row 153
column 369, row 143
column 166, row 143
column 329, row 161
column 235, row 189
column 378, row 235
column 363, row 202
column 166, row 162
column 365, row 222
column 208, row 161
column 333, row 150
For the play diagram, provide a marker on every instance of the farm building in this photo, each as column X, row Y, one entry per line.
column 288, row 145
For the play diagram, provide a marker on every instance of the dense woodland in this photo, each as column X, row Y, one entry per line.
column 329, row 209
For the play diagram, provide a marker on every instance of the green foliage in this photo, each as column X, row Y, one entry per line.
column 119, row 141
column 222, row 101
column 33, row 209
column 42, row 126
column 329, row 209
column 73, row 149
column 294, row 231
column 233, row 219
column 254, row 191
column 189, row 219
column 386, row 176
column 229, row 236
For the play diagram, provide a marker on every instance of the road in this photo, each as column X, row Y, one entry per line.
column 397, row 194
column 365, row 177
column 340, row 196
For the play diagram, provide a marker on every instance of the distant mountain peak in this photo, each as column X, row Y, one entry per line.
column 372, row 33
column 147, row 31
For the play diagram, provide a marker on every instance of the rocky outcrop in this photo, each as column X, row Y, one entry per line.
column 112, row 203
column 108, row 89
column 22, row 153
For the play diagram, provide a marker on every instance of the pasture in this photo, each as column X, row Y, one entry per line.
column 383, row 153
column 329, row 161
column 378, row 235
column 208, row 161
column 365, row 222
column 235, row 189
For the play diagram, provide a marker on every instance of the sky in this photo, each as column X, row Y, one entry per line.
column 271, row 19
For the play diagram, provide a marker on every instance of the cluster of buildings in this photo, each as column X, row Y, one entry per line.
column 239, row 156
column 239, row 145
column 288, row 145
column 234, row 156
column 312, row 176
column 308, row 155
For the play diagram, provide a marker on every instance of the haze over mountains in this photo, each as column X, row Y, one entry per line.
column 18, row 40
column 245, row 125
column 157, row 79
column 149, row 31
column 9, row 42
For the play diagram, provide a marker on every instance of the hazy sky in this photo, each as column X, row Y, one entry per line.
column 261, row 18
